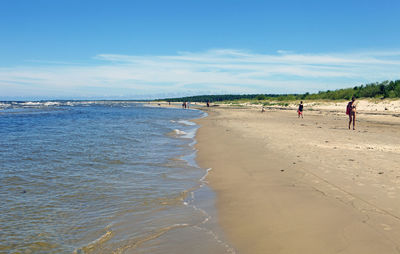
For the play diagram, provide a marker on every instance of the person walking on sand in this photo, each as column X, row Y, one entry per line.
column 351, row 111
column 300, row 110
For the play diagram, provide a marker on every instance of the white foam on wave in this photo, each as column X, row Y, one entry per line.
column 36, row 104
column 186, row 134
column 207, row 217
column 203, row 179
column 51, row 103
column 179, row 132
column 190, row 133
column 70, row 103
column 186, row 122
column 30, row 103
column 4, row 105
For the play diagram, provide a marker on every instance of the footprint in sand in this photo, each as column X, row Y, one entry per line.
column 386, row 227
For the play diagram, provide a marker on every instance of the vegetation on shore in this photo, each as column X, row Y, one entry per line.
column 385, row 89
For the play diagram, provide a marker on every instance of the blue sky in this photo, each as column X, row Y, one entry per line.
column 149, row 49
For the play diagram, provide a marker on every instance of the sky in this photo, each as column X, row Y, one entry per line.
column 76, row 49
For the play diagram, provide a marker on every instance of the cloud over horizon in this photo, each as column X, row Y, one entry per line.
column 192, row 73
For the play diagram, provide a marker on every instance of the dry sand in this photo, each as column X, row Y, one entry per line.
column 289, row 185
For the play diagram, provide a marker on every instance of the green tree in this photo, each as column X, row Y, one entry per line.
column 261, row 97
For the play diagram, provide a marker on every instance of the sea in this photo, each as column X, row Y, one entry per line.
column 103, row 177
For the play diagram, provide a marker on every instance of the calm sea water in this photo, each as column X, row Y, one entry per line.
column 103, row 177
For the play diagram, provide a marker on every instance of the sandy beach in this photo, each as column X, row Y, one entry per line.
column 289, row 185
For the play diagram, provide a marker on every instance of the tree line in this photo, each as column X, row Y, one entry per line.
column 385, row 89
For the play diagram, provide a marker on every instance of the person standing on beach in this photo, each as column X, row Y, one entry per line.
column 300, row 110
column 351, row 111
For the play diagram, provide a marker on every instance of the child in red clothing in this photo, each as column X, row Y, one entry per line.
column 300, row 110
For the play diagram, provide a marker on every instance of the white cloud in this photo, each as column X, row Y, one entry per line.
column 213, row 71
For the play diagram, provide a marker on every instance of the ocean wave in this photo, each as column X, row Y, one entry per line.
column 4, row 105
column 63, row 103
column 207, row 217
column 134, row 243
column 186, row 122
column 51, row 103
column 191, row 133
column 30, row 103
column 180, row 132
column 91, row 246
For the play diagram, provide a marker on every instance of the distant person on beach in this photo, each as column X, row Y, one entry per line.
column 351, row 111
column 184, row 105
column 262, row 109
column 300, row 110
column 208, row 104
column 188, row 104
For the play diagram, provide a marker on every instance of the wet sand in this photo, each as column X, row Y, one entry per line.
column 289, row 185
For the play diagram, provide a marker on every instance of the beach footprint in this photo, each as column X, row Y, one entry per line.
column 386, row 227
column 392, row 194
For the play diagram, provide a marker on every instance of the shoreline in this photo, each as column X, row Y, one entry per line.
column 288, row 185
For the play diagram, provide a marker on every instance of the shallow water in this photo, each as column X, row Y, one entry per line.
column 103, row 177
